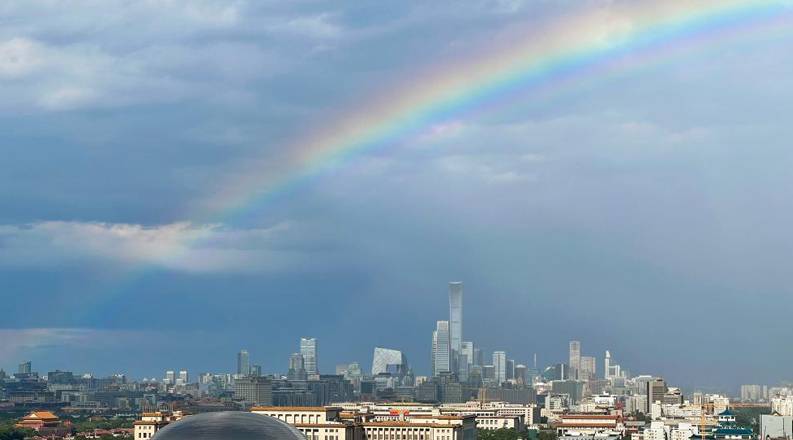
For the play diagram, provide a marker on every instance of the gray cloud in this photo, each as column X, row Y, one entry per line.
column 178, row 246
column 659, row 180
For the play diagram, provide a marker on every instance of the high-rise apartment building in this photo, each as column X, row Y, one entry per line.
column 243, row 363
column 441, row 349
column 752, row 393
column 455, row 321
column 308, row 348
column 574, row 359
column 588, row 368
column 500, row 366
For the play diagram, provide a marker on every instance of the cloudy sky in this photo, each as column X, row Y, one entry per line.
column 641, row 205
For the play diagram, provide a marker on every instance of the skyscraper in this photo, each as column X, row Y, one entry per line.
column 297, row 369
column 655, row 390
column 607, row 365
column 575, row 359
column 500, row 366
column 308, row 348
column 441, row 349
column 588, row 368
column 455, row 321
column 243, row 363
column 479, row 357
column 468, row 350
column 25, row 368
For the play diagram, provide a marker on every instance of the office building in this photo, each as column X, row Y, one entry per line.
column 574, row 361
column 308, row 348
column 521, row 374
column 463, row 369
column 297, row 368
column 387, row 360
column 170, row 378
column 455, row 322
column 253, row 390
column 243, row 363
column 500, row 366
column 441, row 350
column 656, row 390
column 25, row 368
column 183, row 378
column 588, row 368
column 479, row 357
column 468, row 350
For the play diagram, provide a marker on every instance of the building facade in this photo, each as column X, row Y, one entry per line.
column 308, row 348
column 441, row 349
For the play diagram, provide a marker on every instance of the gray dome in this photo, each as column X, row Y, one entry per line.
column 229, row 425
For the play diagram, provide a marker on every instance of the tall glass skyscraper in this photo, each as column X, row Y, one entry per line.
column 455, row 321
column 243, row 363
column 500, row 366
column 441, row 350
column 575, row 359
column 308, row 348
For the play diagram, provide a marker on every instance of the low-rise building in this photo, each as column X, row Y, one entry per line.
column 150, row 423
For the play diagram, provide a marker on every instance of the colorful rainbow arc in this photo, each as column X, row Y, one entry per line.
column 569, row 48
column 561, row 50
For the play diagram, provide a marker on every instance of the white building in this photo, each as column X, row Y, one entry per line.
column 776, row 427
column 782, row 405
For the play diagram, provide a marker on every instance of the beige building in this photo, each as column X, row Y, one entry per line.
column 150, row 423
column 366, row 423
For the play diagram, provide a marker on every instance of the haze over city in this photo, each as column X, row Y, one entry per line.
column 183, row 180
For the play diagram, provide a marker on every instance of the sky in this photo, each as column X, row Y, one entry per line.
column 157, row 213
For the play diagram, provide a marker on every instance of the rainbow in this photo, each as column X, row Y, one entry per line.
column 565, row 49
column 574, row 50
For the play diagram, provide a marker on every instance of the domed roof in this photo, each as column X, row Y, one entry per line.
column 229, row 425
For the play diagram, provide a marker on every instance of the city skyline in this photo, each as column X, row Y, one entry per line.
column 188, row 180
column 500, row 359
